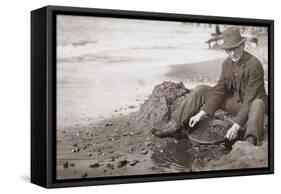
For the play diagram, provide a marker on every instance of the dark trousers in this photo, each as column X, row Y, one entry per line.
column 194, row 100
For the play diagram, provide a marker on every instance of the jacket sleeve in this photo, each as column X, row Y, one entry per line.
column 253, row 86
column 216, row 96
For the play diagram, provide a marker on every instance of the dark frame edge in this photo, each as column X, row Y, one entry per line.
column 47, row 180
column 271, row 96
column 160, row 15
column 38, row 97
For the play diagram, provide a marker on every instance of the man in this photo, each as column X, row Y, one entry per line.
column 240, row 91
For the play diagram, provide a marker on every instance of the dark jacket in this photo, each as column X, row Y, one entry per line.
column 248, row 86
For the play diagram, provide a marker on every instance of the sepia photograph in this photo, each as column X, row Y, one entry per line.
column 142, row 97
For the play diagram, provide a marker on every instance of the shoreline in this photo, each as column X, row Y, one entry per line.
column 208, row 71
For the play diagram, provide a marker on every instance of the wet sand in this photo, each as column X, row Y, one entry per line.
column 205, row 72
column 118, row 147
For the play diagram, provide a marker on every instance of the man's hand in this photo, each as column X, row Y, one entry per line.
column 232, row 132
column 195, row 119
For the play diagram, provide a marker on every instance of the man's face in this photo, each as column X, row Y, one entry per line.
column 236, row 53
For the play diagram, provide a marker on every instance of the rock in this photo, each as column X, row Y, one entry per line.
column 85, row 175
column 71, row 164
column 95, row 165
column 134, row 162
column 144, row 151
column 65, row 164
column 130, row 149
column 108, row 124
column 109, row 165
column 147, row 143
column 132, row 107
column 125, row 134
column 90, row 154
column 75, row 150
column 122, row 163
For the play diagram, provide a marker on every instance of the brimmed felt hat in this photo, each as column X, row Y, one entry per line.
column 232, row 38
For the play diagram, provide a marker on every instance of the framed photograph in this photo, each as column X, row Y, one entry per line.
column 126, row 96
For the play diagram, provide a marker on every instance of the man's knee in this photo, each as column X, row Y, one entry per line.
column 258, row 104
column 201, row 89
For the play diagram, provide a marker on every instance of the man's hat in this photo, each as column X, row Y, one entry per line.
column 232, row 38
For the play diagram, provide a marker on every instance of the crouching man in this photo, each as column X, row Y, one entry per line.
column 240, row 92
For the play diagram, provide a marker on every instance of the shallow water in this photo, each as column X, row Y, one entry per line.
column 174, row 154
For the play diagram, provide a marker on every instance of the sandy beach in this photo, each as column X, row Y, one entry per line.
column 106, row 71
column 119, row 145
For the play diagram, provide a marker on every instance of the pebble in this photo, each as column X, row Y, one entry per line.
column 65, row 164
column 147, row 143
column 130, row 149
column 95, row 165
column 90, row 154
column 116, row 130
column 85, row 175
column 122, row 163
column 125, row 134
column 134, row 162
column 75, row 150
column 110, row 166
column 144, row 151
column 108, row 124
column 71, row 165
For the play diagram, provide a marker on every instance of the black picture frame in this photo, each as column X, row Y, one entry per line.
column 43, row 95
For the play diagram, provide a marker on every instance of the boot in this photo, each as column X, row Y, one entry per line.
column 169, row 130
column 251, row 139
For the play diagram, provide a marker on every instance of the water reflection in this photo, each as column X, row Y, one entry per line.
column 174, row 154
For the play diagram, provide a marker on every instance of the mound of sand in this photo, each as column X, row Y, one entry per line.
column 165, row 98
column 242, row 155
